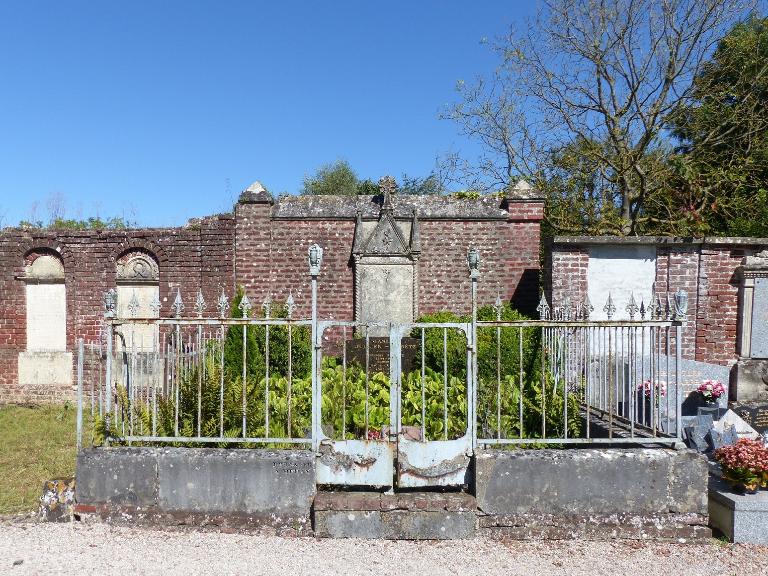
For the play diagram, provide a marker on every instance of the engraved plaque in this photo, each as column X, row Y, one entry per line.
column 378, row 353
column 759, row 347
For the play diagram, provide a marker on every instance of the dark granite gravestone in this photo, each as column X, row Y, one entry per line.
column 697, row 432
column 713, row 410
column 753, row 413
column 696, row 437
column 378, row 353
column 726, row 437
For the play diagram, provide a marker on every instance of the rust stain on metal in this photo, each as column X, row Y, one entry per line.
column 439, row 470
column 337, row 460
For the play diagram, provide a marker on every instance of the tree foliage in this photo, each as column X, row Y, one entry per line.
column 338, row 178
column 581, row 101
column 91, row 223
column 721, row 163
column 334, row 178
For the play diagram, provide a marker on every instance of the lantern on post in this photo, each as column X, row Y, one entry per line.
column 315, row 259
column 473, row 261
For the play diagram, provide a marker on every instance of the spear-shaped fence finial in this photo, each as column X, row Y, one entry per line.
column 290, row 305
column 609, row 308
column 632, row 307
column 543, row 308
column 178, row 304
column 223, row 305
column 498, row 306
column 245, row 305
column 200, row 304
column 586, row 308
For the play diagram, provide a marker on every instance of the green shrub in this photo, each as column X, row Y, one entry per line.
column 301, row 353
column 344, row 395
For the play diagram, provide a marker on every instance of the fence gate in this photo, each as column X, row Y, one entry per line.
column 387, row 405
column 401, row 423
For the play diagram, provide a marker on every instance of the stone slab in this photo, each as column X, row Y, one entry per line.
column 668, row 527
column 751, row 376
column 202, row 480
column 45, row 368
column 395, row 524
column 367, row 501
column 403, row 516
column 741, row 518
column 117, row 476
column 759, row 347
column 755, row 414
column 197, row 485
column 591, row 482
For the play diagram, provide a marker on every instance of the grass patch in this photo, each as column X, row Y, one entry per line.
column 36, row 444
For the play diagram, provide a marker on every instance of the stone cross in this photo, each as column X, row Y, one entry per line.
column 388, row 186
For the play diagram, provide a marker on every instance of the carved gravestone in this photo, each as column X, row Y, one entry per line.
column 752, row 367
column 386, row 255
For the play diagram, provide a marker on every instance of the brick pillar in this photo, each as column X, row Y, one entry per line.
column 526, row 211
column 253, row 214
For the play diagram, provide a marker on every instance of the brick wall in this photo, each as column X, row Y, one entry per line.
column 263, row 246
column 271, row 259
column 705, row 269
column 199, row 256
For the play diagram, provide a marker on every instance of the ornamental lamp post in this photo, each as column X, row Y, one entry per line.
column 473, row 262
column 315, row 261
column 681, row 304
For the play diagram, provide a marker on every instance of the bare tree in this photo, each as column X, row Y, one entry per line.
column 601, row 75
column 55, row 205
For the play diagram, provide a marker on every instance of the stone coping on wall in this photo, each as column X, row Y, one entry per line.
column 426, row 207
column 659, row 240
column 130, row 232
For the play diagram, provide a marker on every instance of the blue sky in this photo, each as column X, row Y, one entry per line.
column 161, row 111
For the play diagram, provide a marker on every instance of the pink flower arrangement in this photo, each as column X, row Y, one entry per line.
column 745, row 462
column 711, row 390
column 647, row 387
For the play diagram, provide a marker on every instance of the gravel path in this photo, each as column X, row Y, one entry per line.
column 30, row 548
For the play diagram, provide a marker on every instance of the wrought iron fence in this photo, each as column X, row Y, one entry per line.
column 281, row 381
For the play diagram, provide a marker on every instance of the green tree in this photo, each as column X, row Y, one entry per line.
column 600, row 75
column 721, row 164
column 335, row 178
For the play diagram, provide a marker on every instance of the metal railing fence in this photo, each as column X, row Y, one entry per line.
column 281, row 381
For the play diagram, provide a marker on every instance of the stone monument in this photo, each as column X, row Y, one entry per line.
column 386, row 257
column 750, row 393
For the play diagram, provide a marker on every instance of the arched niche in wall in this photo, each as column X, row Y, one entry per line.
column 46, row 301
column 138, row 287
column 45, row 362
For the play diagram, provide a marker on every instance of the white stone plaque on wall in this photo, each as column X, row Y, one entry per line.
column 46, row 317
column 620, row 271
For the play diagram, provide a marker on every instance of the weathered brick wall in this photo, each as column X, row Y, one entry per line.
column 200, row 256
column 568, row 273
column 705, row 269
column 272, row 259
column 263, row 246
